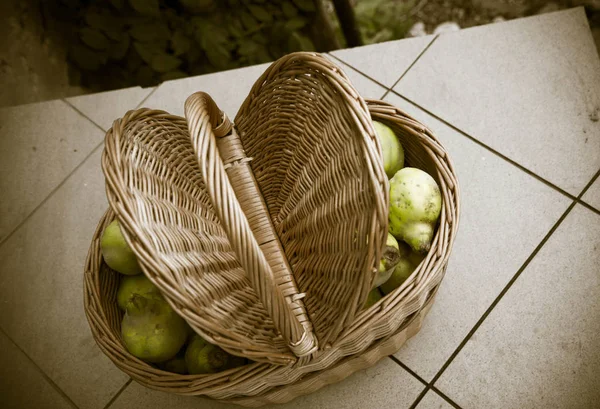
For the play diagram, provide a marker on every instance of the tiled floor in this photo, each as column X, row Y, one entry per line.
column 516, row 321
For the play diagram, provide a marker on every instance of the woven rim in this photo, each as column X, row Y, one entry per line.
column 317, row 163
column 389, row 316
column 342, row 369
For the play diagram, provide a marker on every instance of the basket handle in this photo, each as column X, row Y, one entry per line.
column 244, row 216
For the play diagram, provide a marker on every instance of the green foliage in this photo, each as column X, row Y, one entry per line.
column 260, row 13
column 164, row 63
column 93, row 38
column 146, row 7
column 305, row 5
column 128, row 42
column 383, row 20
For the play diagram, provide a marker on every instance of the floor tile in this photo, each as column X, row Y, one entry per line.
column 539, row 348
column 505, row 213
column 103, row 108
column 229, row 89
column 41, row 273
column 40, row 144
column 592, row 196
column 19, row 377
column 366, row 88
column 386, row 385
column 385, row 62
column 433, row 401
column 529, row 88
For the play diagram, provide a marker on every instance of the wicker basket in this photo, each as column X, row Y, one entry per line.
column 266, row 236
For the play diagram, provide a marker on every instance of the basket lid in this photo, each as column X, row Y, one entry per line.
column 317, row 163
column 266, row 242
column 157, row 190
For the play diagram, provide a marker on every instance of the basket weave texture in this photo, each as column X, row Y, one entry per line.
column 266, row 236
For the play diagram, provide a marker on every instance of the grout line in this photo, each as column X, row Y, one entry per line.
column 489, row 148
column 473, row 139
column 147, row 96
column 358, row 71
column 387, row 89
column 119, row 392
column 502, row 293
column 424, row 382
column 12, row 232
column 446, row 398
column 41, row 371
column 589, row 184
column 407, row 369
column 83, row 115
column 384, row 94
column 589, row 207
column 93, row 122
column 419, row 398
column 410, row 66
column 585, row 189
column 75, row 169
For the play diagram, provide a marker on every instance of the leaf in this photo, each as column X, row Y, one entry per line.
column 173, row 75
column 175, row 21
column 295, row 23
column 289, row 10
column 146, row 7
column 165, row 63
column 118, row 4
column 97, row 20
column 260, row 38
column 143, row 32
column 132, row 60
column 305, row 5
column 278, row 34
column 248, row 21
column 306, row 43
column 211, row 36
column 274, row 10
column 110, row 25
column 119, row 50
column 150, row 31
column 248, row 47
column 235, row 27
column 116, row 35
column 366, row 10
column 230, row 45
column 298, row 42
column 188, row 29
column 219, row 57
column 197, row 6
column 94, row 38
column 180, row 43
column 199, row 22
column 260, row 13
column 145, row 51
column 85, row 58
column 163, row 30
column 218, row 34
